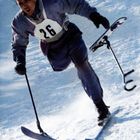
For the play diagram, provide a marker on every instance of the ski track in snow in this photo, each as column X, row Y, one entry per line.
column 65, row 111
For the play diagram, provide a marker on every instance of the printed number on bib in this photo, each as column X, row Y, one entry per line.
column 47, row 29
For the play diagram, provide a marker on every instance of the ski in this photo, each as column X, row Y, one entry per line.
column 36, row 136
column 105, row 126
column 102, row 39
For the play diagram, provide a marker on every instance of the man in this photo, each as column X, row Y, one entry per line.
column 60, row 40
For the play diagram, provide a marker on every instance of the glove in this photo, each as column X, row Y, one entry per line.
column 98, row 19
column 20, row 67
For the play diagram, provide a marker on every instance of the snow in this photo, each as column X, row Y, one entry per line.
column 64, row 110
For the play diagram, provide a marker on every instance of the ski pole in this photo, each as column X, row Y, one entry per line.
column 34, row 107
column 124, row 74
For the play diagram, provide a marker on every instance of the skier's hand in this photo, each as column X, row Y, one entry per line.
column 20, row 69
column 98, row 19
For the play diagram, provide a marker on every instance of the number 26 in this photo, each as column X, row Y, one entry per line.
column 50, row 30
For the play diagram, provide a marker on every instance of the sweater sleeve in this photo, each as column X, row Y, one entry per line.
column 20, row 39
column 80, row 7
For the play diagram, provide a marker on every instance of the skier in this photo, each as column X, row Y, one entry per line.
column 60, row 40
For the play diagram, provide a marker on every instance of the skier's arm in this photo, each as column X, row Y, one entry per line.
column 82, row 8
column 19, row 45
column 79, row 7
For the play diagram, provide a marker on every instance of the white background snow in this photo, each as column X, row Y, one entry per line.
column 65, row 111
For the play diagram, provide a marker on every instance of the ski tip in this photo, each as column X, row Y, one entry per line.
column 125, row 18
column 24, row 130
column 34, row 135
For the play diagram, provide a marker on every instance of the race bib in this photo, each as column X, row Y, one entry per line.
column 47, row 29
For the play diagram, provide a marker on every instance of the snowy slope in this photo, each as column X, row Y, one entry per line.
column 65, row 111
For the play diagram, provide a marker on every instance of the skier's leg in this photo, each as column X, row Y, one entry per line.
column 90, row 81
column 93, row 88
column 88, row 77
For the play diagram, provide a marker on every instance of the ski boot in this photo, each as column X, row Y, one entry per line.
column 104, row 113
